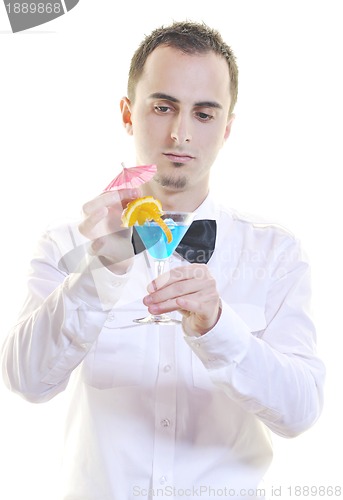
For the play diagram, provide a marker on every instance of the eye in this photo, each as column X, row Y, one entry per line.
column 204, row 117
column 161, row 109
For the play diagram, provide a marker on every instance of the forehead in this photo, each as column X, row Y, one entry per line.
column 200, row 76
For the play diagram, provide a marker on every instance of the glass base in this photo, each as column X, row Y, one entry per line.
column 158, row 319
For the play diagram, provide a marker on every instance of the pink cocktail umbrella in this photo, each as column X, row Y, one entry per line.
column 132, row 177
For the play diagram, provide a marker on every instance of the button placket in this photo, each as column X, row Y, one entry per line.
column 165, row 410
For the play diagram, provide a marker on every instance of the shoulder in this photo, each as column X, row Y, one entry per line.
column 258, row 235
column 253, row 223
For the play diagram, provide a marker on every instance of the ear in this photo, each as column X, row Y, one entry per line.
column 125, row 108
column 228, row 126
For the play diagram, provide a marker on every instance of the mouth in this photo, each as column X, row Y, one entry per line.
column 178, row 158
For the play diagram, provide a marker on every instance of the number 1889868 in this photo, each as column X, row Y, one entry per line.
column 34, row 8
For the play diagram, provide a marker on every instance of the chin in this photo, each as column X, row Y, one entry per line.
column 172, row 182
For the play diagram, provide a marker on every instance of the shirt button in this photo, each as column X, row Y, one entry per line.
column 111, row 316
column 167, row 368
column 165, row 422
column 163, row 480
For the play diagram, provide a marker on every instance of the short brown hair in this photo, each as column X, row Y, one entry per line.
column 190, row 38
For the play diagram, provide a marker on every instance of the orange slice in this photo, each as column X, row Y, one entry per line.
column 143, row 209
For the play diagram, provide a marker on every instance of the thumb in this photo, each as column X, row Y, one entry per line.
column 127, row 195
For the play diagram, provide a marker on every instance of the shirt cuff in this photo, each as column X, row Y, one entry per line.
column 226, row 344
column 96, row 285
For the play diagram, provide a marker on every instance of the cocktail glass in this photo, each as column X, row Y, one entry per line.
column 155, row 242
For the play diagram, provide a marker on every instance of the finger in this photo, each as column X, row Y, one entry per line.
column 107, row 199
column 110, row 199
column 189, row 305
column 197, row 304
column 127, row 195
column 92, row 220
column 193, row 271
column 201, row 301
column 177, row 289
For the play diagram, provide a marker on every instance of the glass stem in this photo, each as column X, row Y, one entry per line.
column 159, row 267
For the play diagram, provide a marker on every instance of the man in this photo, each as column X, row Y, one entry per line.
column 177, row 411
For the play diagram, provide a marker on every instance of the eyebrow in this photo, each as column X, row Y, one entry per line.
column 201, row 104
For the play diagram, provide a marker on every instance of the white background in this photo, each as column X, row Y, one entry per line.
column 61, row 142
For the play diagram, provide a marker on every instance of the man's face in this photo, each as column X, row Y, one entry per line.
column 179, row 118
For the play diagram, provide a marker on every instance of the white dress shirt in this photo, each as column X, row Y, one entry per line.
column 155, row 413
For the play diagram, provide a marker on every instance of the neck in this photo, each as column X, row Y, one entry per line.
column 182, row 201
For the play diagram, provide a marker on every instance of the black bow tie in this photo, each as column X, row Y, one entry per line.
column 197, row 245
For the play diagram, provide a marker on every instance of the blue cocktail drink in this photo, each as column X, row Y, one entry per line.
column 155, row 241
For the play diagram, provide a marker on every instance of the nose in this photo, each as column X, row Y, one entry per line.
column 181, row 130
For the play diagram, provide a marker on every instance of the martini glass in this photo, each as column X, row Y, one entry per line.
column 155, row 242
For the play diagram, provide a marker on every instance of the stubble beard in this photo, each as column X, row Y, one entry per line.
column 172, row 181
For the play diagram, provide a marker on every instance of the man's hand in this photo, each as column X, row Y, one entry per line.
column 192, row 291
column 103, row 227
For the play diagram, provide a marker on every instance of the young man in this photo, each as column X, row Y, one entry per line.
column 177, row 411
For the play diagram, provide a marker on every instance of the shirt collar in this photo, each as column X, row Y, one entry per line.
column 208, row 209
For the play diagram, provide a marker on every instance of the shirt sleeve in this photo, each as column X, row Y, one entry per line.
column 61, row 320
column 275, row 374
